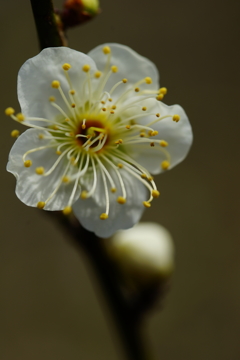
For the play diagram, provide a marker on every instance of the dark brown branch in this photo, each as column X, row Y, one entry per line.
column 127, row 318
column 45, row 20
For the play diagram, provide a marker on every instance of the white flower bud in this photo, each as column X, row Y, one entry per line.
column 144, row 253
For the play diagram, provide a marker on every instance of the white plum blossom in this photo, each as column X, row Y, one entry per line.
column 99, row 130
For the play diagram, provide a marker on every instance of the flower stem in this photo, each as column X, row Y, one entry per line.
column 45, row 20
column 127, row 317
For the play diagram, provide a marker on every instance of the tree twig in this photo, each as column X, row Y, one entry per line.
column 45, row 20
column 127, row 319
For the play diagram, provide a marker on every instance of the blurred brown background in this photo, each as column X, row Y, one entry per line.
column 50, row 305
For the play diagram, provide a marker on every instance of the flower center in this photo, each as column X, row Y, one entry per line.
column 90, row 133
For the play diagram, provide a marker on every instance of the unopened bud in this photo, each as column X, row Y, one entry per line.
column 90, row 6
column 76, row 12
column 144, row 253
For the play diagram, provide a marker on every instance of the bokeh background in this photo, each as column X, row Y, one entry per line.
column 51, row 307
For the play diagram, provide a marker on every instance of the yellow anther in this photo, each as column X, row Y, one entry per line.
column 9, row 111
column 41, row 136
column 112, row 112
column 67, row 210
column 83, row 126
column 142, row 134
column 86, row 68
column 120, row 165
column 144, row 108
column 103, row 216
column 157, row 115
column 65, row 179
column 51, row 98
column 66, row 66
column 124, row 81
column 15, row 133
column 147, row 204
column 67, row 120
column 41, row 204
column 160, row 97
column 27, row 163
column 119, row 141
column 114, row 107
column 103, row 102
column 114, row 69
column 113, row 190
column 71, row 134
column 128, row 127
column 152, row 144
column 104, row 109
column 55, row 127
column 155, row 193
column 73, row 105
column 163, row 143
column 84, row 195
column 165, row 165
column 39, row 170
column 110, row 99
column 137, row 89
column 121, row 200
column 72, row 92
column 148, row 80
column 106, row 50
column 176, row 118
column 150, row 178
column 97, row 74
column 58, row 152
column 144, row 176
column 20, row 117
column 55, row 84
column 154, row 133
column 163, row 91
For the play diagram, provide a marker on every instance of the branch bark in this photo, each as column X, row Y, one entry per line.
column 127, row 319
column 45, row 20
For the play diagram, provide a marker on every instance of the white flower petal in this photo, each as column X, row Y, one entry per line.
column 178, row 135
column 36, row 75
column 130, row 65
column 32, row 188
column 120, row 216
